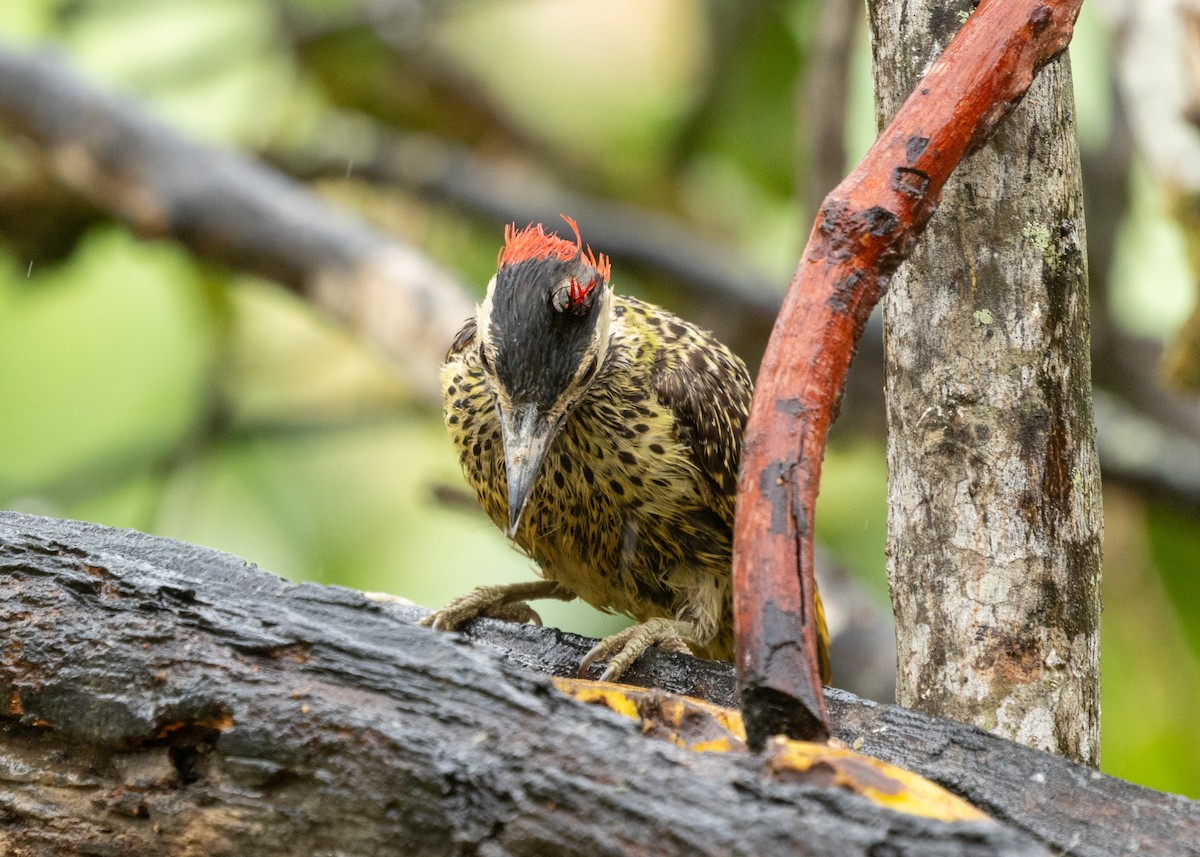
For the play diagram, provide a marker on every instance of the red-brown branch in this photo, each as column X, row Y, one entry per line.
column 865, row 228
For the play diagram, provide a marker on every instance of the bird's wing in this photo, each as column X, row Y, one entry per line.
column 466, row 335
column 707, row 389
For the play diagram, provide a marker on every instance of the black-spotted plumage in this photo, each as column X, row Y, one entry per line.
column 635, row 418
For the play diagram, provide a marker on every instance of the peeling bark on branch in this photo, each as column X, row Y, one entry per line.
column 866, row 227
column 994, row 507
column 161, row 698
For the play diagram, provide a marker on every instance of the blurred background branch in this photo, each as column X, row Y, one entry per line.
column 226, row 209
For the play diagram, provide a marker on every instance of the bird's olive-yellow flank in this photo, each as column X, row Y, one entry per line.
column 603, row 434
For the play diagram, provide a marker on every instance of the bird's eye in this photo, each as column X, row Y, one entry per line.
column 573, row 297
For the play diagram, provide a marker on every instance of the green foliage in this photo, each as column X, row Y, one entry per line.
column 852, row 510
column 105, row 363
column 1151, row 688
column 1175, row 547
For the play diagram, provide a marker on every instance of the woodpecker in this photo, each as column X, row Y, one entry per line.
column 602, row 434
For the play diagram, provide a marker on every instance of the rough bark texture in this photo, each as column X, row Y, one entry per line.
column 161, row 698
column 994, row 509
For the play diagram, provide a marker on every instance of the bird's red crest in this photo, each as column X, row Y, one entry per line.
column 534, row 242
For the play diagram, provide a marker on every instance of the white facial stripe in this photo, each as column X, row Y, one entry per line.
column 606, row 299
column 483, row 314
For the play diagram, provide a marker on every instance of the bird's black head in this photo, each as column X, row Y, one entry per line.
column 543, row 332
column 547, row 319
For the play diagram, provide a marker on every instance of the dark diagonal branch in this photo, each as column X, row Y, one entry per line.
column 227, row 209
column 505, row 191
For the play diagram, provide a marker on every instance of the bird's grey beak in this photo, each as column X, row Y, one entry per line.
column 527, row 435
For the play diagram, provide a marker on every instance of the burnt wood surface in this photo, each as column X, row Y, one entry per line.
column 162, row 698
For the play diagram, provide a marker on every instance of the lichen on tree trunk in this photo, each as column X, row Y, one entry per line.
column 994, row 508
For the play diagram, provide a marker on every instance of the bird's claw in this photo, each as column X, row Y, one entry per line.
column 493, row 601
column 519, row 612
column 625, row 647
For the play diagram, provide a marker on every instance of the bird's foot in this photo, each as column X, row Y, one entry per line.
column 623, row 648
column 507, row 602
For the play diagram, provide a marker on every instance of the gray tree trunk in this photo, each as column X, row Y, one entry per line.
column 994, row 505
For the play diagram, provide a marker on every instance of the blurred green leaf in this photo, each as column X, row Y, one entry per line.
column 1175, row 545
column 602, row 80
column 209, row 68
column 851, row 510
column 1151, row 688
column 105, row 361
